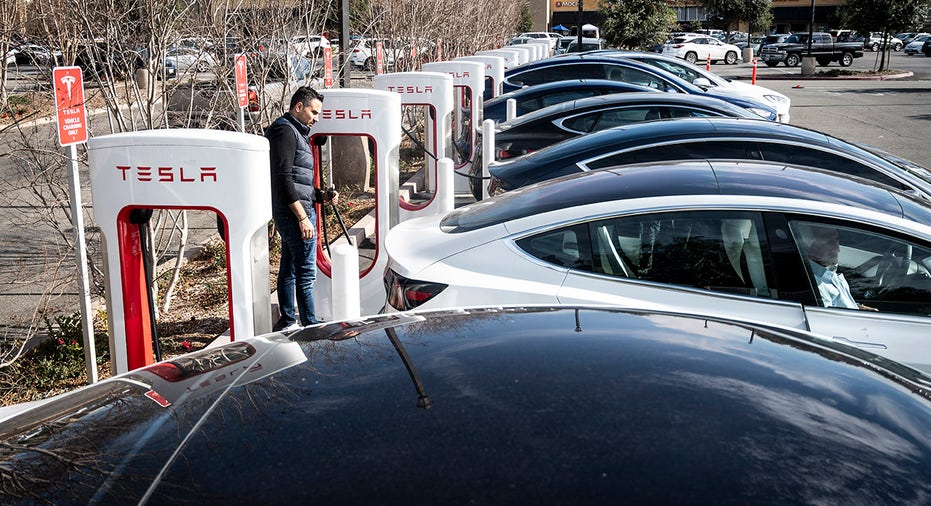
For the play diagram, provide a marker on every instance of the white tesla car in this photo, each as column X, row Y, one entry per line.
column 707, row 80
column 726, row 238
column 700, row 48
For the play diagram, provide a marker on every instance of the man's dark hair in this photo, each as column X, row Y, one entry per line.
column 304, row 95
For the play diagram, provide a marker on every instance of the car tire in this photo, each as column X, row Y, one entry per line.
column 792, row 60
column 824, row 62
column 691, row 57
column 772, row 63
column 730, row 58
column 846, row 60
column 897, row 47
column 874, row 47
column 203, row 66
column 369, row 64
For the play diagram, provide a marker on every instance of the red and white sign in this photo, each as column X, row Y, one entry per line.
column 242, row 84
column 69, row 102
column 379, row 58
column 327, row 67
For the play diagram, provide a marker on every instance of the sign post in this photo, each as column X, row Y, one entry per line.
column 379, row 58
column 242, row 90
column 327, row 68
column 72, row 130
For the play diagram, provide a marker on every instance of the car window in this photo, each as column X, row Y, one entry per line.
column 567, row 247
column 720, row 251
column 635, row 76
column 705, row 148
column 801, row 155
column 882, row 272
column 600, row 120
column 560, row 73
column 679, row 71
column 554, row 98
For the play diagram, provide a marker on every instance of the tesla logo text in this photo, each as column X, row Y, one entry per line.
column 346, row 114
column 461, row 75
column 411, row 89
column 168, row 174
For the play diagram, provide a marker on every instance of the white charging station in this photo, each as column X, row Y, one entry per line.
column 376, row 115
column 530, row 53
column 494, row 73
column 433, row 90
column 510, row 57
column 469, row 78
column 225, row 172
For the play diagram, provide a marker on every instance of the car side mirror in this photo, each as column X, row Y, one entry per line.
column 702, row 82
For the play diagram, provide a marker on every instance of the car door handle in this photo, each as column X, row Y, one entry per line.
column 861, row 344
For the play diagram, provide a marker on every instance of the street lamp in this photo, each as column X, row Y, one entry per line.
column 811, row 26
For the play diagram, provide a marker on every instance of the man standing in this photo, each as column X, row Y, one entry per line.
column 293, row 197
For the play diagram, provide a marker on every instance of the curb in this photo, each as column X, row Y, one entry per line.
column 816, row 77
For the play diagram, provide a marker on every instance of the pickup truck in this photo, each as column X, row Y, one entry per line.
column 823, row 48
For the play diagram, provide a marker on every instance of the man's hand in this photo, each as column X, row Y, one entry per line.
column 307, row 229
column 331, row 196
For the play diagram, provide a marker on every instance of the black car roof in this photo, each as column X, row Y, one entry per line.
column 574, row 150
column 539, row 405
column 659, row 99
column 686, row 177
column 571, row 84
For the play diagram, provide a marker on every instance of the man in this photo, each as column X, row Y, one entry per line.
column 822, row 255
column 293, row 198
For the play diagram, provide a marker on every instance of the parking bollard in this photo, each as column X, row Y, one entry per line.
column 753, row 75
column 708, row 65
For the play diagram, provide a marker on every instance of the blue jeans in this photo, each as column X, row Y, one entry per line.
column 297, row 271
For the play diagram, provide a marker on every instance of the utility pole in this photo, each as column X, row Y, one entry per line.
column 579, row 25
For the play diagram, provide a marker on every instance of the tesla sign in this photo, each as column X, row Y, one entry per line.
column 69, row 102
column 242, row 84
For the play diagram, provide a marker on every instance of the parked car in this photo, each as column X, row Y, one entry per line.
column 708, row 80
column 34, row 54
column 600, row 66
column 914, row 47
column 190, row 60
column 551, row 37
column 562, row 44
column 588, row 44
column 553, row 405
column 545, row 127
column 304, row 45
column 876, row 42
column 823, row 48
column 536, row 97
column 708, row 138
column 701, row 48
column 716, row 237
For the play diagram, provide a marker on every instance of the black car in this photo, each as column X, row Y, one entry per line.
column 537, row 97
column 708, row 138
column 509, row 405
column 547, row 126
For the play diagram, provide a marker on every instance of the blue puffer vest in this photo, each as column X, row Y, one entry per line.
column 302, row 170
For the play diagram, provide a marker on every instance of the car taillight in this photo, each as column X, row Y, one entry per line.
column 253, row 101
column 496, row 187
column 503, row 154
column 405, row 294
column 677, row 46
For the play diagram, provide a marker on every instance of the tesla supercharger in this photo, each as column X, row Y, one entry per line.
column 225, row 172
column 545, row 50
column 469, row 80
column 494, row 73
column 520, row 55
column 530, row 53
column 510, row 57
column 433, row 90
column 376, row 116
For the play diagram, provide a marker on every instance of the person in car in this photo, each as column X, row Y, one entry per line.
column 833, row 289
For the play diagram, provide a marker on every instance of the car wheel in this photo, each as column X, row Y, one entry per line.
column 792, row 60
column 846, row 60
column 874, row 47
column 691, row 57
column 202, row 66
column 730, row 58
column 772, row 63
column 824, row 62
column 369, row 63
column 897, row 47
